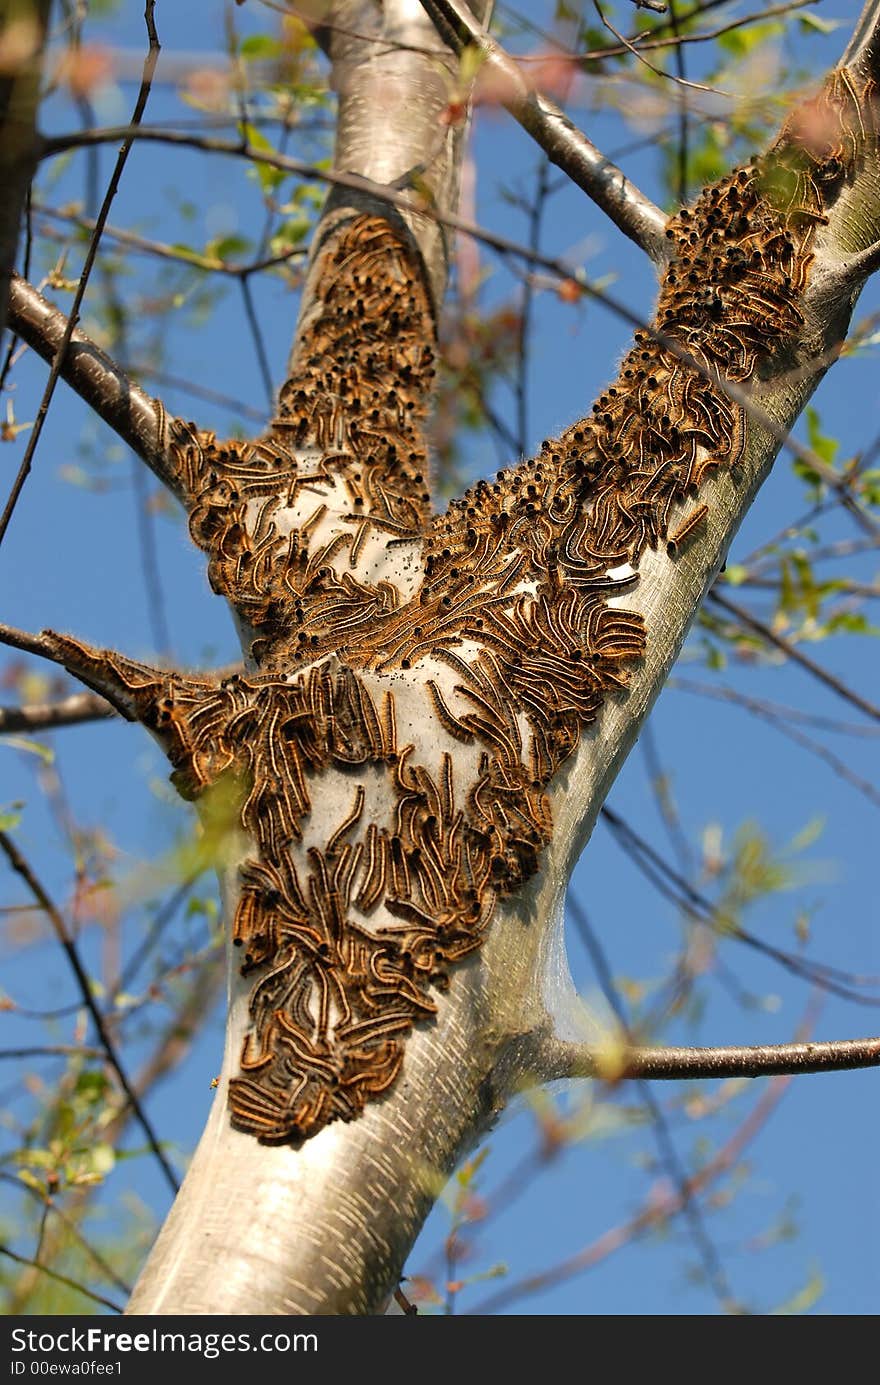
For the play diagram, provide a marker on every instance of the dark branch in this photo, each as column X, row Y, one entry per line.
column 22, row 868
column 59, row 1278
column 88, row 265
column 792, row 652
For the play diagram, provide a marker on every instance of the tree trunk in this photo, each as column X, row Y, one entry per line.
column 474, row 680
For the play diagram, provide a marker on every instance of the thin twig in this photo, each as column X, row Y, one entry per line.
column 60, row 1278
column 676, row 888
column 658, row 72
column 203, row 392
column 773, row 718
column 209, row 264
column 655, row 1212
column 536, row 213
column 715, row 1272
column 682, row 109
column 21, row 867
column 91, row 253
column 660, row 788
column 792, row 652
column 259, row 344
column 54, row 1051
column 724, row 693
column 70, row 1225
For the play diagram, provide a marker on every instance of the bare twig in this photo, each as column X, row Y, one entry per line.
column 780, row 723
column 656, row 1211
column 210, row 264
column 782, row 711
column 502, row 245
column 682, row 108
column 658, row 72
column 91, row 253
column 536, row 213
column 565, row 145
column 792, row 652
column 23, row 869
column 70, row 1225
column 715, row 1272
column 53, row 1051
column 60, row 1278
column 253, row 323
column 660, row 787
column 675, row 887
column 653, row 40
column 673, row 1064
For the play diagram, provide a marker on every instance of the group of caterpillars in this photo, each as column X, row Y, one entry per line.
column 505, row 632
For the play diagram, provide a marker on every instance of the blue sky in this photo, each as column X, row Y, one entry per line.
column 71, row 561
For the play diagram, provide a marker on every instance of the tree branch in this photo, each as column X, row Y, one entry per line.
column 91, row 253
column 655, row 1212
column 137, row 417
column 565, row 145
column 844, row 286
column 394, row 92
column 46, row 716
column 618, row 1061
column 59, row 1278
column 100, row 670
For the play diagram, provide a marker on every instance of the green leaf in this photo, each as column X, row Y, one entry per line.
column 470, row 61
column 824, row 447
column 203, row 908
column 102, row 1158
column 741, row 42
column 290, row 234
column 804, row 1299
column 269, row 178
column 91, row 1086
column 257, row 46
column 807, row 835
column 188, row 252
column 815, row 24
column 45, row 752
column 849, row 623
column 31, row 1181
column 226, row 247
column 468, row 1173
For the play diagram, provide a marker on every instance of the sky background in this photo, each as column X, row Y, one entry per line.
column 72, row 561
